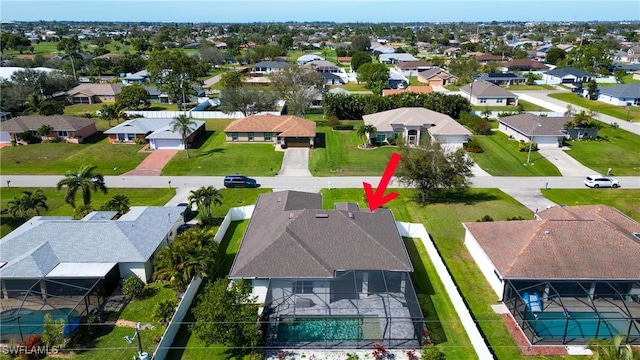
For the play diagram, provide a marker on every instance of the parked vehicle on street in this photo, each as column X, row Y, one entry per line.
column 239, row 181
column 598, row 181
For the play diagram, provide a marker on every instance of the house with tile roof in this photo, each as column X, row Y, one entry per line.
column 567, row 277
column 71, row 129
column 484, row 93
column 411, row 68
column 157, row 132
column 416, row 89
column 413, row 124
column 94, row 93
column 620, row 95
column 285, row 131
column 346, row 265
column 436, row 77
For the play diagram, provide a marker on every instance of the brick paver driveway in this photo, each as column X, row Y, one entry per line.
column 152, row 165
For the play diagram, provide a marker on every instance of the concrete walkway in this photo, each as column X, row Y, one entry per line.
column 295, row 162
column 567, row 165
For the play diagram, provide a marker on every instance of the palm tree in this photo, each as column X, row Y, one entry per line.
column 108, row 112
column 72, row 50
column 611, row 349
column 366, row 131
column 119, row 203
column 205, row 198
column 194, row 252
column 33, row 103
column 20, row 206
column 185, row 126
column 83, row 179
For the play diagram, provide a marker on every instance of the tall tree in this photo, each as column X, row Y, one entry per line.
column 246, row 100
column 204, row 198
column 226, row 314
column 21, row 206
column 134, row 97
column 429, row 166
column 366, row 131
column 554, row 54
column 33, row 103
column 360, row 58
column 231, row 80
column 71, row 49
column 592, row 89
column 298, row 87
column 108, row 112
column 185, row 126
column 174, row 72
column 119, row 203
column 373, row 74
column 361, row 43
column 84, row 179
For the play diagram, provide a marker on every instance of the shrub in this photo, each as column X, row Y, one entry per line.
column 430, row 352
column 53, row 332
column 477, row 124
column 524, row 146
column 32, row 348
column 332, row 121
column 352, row 356
column 411, row 355
column 485, row 219
column 87, row 115
column 165, row 310
column 132, row 287
column 515, row 218
column 473, row 146
column 343, row 127
column 379, row 351
column 138, row 141
column 90, row 321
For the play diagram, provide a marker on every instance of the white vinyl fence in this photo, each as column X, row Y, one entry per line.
column 234, row 214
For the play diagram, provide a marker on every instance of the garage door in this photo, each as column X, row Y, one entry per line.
column 166, row 144
column 298, row 142
column 5, row 137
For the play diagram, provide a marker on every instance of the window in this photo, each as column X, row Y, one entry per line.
column 499, row 101
column 250, row 136
column 381, row 137
column 304, row 287
column 234, row 136
column 267, row 136
column 63, row 133
column 483, row 101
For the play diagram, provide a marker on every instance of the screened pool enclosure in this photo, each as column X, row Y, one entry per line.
column 353, row 310
column 573, row 312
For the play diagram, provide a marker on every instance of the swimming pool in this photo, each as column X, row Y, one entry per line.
column 27, row 322
column 312, row 329
column 580, row 325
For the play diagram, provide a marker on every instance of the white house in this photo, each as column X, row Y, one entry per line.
column 308, row 58
column 620, row 95
column 567, row 75
column 157, row 131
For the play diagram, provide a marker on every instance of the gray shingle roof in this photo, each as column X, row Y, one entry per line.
column 271, row 64
column 58, row 122
column 524, row 123
column 40, row 244
column 624, row 91
column 483, row 88
column 560, row 72
column 291, row 236
column 160, row 128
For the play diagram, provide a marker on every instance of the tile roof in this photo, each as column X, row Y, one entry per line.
column 578, row 242
column 291, row 236
column 36, row 247
column 483, row 88
column 411, row 65
column 624, row 91
column 523, row 123
column 97, row 89
column 428, row 74
column 436, row 123
column 524, row 63
column 58, row 122
column 287, row 126
column 418, row 89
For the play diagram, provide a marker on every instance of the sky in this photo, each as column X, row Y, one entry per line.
column 247, row 11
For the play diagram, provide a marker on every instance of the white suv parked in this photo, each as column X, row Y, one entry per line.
column 598, row 181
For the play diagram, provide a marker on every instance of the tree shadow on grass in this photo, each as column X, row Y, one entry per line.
column 212, row 151
column 201, row 140
column 321, row 140
column 95, row 138
column 443, row 196
column 424, row 290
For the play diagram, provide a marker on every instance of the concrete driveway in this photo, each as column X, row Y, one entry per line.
column 152, row 165
column 295, row 162
column 567, row 165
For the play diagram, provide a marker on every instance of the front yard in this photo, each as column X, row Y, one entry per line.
column 619, row 153
column 625, row 200
column 619, row 112
column 502, row 158
column 526, row 106
column 57, row 158
column 212, row 155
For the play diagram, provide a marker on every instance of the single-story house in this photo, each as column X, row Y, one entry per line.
column 267, row 67
column 436, row 77
column 345, row 264
column 501, row 78
column 287, row 131
column 71, row 129
column 620, row 95
column 396, row 79
column 567, row 75
column 484, row 58
column 324, row 66
column 379, row 49
column 567, row 277
column 416, row 89
column 413, row 124
column 308, row 58
column 484, row 93
column 140, row 77
column 344, row 60
column 332, row 79
column 394, row 58
column 94, row 93
column 523, row 65
column 60, row 247
column 545, row 131
column 411, row 68
column 157, row 131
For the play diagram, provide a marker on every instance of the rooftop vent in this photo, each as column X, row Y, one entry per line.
column 322, row 216
column 290, row 215
column 637, row 235
column 279, row 199
column 546, row 232
column 351, row 215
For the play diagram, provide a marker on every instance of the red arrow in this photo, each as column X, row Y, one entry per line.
column 378, row 198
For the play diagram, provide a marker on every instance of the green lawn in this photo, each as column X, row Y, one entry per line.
column 143, row 310
column 351, row 86
column 526, row 106
column 110, row 343
column 235, row 198
column 212, row 155
column 620, row 153
column 57, row 158
column 443, row 222
column 625, row 200
column 628, row 79
column 528, row 87
column 619, row 112
column 57, row 206
column 338, row 155
column 502, row 158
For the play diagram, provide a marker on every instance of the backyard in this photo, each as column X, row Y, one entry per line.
column 526, row 106
column 213, row 155
column 619, row 112
column 502, row 158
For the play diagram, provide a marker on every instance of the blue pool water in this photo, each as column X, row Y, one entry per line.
column 583, row 325
column 28, row 322
column 311, row 329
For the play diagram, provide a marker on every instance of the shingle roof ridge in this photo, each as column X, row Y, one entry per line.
column 527, row 245
column 303, row 245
